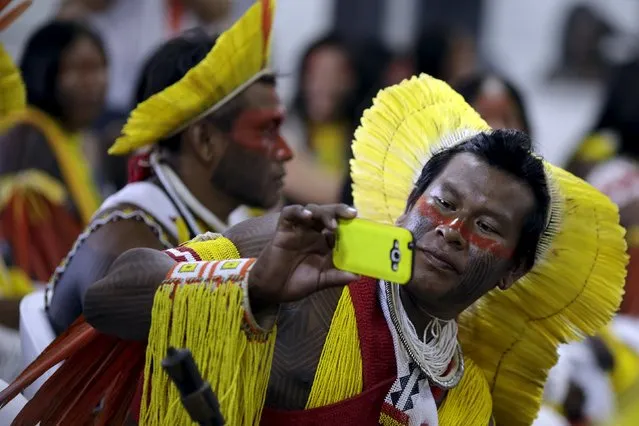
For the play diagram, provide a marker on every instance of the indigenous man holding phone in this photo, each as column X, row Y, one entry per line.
column 512, row 257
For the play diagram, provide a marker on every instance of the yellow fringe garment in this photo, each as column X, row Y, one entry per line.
column 208, row 318
column 339, row 376
column 576, row 284
column 67, row 150
column 339, row 372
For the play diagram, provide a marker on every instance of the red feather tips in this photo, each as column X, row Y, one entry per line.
column 97, row 368
column 139, row 167
column 267, row 23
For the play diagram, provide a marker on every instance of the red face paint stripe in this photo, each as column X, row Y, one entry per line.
column 248, row 131
column 433, row 214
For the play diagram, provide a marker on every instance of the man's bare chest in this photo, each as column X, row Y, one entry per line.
column 301, row 332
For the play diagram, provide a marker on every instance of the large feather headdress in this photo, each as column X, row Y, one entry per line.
column 577, row 282
column 239, row 58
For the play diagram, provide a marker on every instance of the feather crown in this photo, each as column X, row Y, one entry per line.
column 577, row 282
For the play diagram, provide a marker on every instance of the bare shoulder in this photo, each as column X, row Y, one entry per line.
column 120, row 235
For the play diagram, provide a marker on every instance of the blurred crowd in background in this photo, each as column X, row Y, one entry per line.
column 565, row 71
column 550, row 65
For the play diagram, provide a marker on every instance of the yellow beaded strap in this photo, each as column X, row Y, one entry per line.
column 213, row 248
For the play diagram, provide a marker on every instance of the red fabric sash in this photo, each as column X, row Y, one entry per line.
column 378, row 367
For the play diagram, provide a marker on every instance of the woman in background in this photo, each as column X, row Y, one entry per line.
column 320, row 123
column 46, row 185
column 496, row 100
column 445, row 53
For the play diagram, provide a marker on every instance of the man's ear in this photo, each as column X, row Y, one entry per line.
column 206, row 142
column 514, row 273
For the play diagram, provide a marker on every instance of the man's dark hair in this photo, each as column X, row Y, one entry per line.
column 169, row 63
column 509, row 151
column 40, row 64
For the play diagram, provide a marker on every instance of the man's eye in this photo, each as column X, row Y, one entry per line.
column 444, row 204
column 484, row 227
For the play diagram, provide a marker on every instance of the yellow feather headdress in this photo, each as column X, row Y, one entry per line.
column 577, row 282
column 13, row 94
column 239, row 58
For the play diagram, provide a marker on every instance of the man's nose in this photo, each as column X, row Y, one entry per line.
column 451, row 233
column 282, row 152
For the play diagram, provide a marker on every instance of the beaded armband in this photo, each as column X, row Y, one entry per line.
column 215, row 274
column 208, row 246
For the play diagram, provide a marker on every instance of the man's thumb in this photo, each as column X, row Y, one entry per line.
column 337, row 278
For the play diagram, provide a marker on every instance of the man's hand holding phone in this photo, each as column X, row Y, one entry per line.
column 298, row 260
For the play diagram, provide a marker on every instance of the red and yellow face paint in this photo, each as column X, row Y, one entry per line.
column 438, row 218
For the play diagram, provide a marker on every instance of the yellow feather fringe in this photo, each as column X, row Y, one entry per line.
column 577, row 283
column 339, row 372
column 240, row 54
column 207, row 319
column 470, row 403
column 13, row 95
column 407, row 124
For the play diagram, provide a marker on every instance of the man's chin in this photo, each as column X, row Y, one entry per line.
column 265, row 203
column 430, row 286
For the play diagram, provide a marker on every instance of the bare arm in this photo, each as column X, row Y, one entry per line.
column 119, row 302
column 91, row 263
column 122, row 301
column 294, row 264
column 252, row 235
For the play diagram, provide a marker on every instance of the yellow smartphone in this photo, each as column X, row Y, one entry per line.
column 373, row 249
